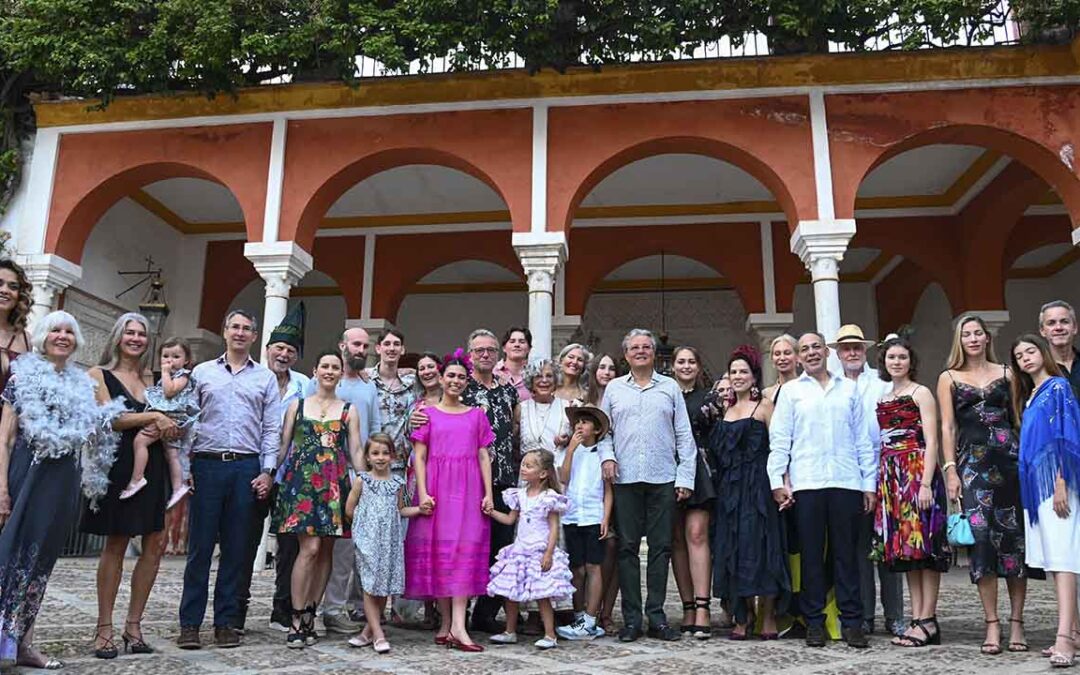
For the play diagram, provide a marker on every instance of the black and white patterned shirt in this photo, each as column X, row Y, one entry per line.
column 498, row 403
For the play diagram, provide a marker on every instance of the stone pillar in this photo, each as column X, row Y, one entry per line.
column 562, row 331
column 541, row 255
column 821, row 245
column 766, row 328
column 995, row 319
column 281, row 264
column 50, row 275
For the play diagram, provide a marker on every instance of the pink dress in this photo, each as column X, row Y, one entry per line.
column 516, row 574
column 447, row 553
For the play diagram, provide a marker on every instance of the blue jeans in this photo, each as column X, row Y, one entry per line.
column 222, row 510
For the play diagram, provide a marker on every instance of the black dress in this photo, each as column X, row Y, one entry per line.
column 143, row 513
column 749, row 537
column 987, row 462
column 704, row 490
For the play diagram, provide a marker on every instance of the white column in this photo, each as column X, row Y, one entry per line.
column 821, row 245
column 275, row 180
column 538, row 215
column 767, row 327
column 30, row 235
column 541, row 255
column 281, row 264
column 50, row 275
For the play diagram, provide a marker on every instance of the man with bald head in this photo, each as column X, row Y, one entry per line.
column 342, row 587
column 822, row 465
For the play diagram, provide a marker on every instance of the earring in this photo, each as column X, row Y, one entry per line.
column 755, row 393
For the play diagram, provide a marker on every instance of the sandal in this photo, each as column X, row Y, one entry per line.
column 608, row 625
column 381, row 646
column 1049, row 651
column 928, row 638
column 108, row 649
column 133, row 644
column 29, row 657
column 1014, row 645
column 307, row 624
column 991, row 648
column 295, row 638
column 688, row 606
column 703, row 631
column 1059, row 660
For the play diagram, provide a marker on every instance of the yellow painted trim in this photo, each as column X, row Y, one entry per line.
column 1048, row 270
column 698, row 75
column 964, row 182
column 409, row 219
column 174, row 220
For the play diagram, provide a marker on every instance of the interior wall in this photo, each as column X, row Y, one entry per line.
column 442, row 322
column 857, row 306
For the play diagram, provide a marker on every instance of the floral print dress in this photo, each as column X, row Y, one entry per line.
column 311, row 499
column 905, row 536
column 988, row 466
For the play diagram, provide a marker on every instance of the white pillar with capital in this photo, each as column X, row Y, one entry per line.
column 821, row 245
column 541, row 255
column 281, row 264
column 50, row 275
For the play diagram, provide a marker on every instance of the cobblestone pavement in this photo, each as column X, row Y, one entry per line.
column 67, row 622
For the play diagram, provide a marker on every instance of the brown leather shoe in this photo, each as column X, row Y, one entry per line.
column 189, row 638
column 226, row 637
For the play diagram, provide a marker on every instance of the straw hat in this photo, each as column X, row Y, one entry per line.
column 850, row 334
column 574, row 413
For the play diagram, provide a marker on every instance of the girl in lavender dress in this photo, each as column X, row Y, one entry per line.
column 532, row 568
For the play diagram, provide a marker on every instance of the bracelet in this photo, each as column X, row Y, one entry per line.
column 947, row 465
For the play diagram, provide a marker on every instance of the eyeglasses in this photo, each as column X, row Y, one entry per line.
column 241, row 328
column 484, row 350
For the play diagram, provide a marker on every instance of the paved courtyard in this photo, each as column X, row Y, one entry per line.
column 67, row 620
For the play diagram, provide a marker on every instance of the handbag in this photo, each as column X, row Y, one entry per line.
column 958, row 530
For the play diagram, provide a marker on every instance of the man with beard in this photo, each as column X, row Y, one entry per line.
column 343, row 587
column 284, row 348
column 819, row 439
column 851, row 346
column 1057, row 323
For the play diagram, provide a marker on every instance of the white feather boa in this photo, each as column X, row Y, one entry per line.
column 59, row 416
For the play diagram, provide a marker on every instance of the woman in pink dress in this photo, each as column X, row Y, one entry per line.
column 446, row 553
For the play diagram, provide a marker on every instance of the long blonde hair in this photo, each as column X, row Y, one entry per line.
column 957, row 355
column 547, row 463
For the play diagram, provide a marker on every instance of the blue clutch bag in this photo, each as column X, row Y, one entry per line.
column 958, row 529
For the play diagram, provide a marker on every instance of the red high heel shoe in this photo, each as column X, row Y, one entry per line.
column 442, row 640
column 454, row 643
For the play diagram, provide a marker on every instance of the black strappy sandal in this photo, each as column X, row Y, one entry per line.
column 1017, row 646
column 108, row 649
column 296, row 638
column 991, row 648
column 906, row 640
column 688, row 606
column 132, row 644
column 703, row 632
column 307, row 624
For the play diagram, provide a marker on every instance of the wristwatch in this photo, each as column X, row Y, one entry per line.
column 267, row 472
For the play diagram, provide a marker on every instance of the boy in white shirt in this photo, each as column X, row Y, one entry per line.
column 585, row 523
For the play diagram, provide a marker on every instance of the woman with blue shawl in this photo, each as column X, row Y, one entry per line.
column 1049, row 478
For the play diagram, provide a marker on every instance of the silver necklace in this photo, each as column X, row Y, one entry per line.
column 538, row 434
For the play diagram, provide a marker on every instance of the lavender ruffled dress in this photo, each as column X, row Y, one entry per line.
column 516, row 574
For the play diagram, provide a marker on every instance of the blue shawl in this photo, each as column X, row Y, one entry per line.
column 1049, row 444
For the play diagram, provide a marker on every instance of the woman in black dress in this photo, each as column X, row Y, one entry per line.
column 124, row 373
column 981, row 469
column 750, row 551
column 690, row 556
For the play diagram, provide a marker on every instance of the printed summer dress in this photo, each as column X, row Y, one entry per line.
column 379, row 536
column 905, row 536
column 311, row 499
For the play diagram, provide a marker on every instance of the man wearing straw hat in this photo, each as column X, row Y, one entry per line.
column 851, row 347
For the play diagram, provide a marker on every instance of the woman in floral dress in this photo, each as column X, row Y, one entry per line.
column 909, row 524
column 323, row 430
column 981, row 452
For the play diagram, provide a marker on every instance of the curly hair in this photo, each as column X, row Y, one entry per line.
column 20, row 314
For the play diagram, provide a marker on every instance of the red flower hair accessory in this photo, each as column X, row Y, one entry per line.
column 460, row 355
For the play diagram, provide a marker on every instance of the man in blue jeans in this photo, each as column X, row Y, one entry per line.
column 233, row 455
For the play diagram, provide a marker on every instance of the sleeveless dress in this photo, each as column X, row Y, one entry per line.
column 378, row 535
column 145, row 512
column 704, row 491
column 516, row 574
column 447, row 553
column 311, row 499
column 44, row 503
column 987, row 458
column 749, row 535
column 905, row 536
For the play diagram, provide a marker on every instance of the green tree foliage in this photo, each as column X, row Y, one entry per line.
column 105, row 48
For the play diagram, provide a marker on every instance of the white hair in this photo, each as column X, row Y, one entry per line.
column 638, row 332
column 110, row 355
column 52, row 320
column 480, row 332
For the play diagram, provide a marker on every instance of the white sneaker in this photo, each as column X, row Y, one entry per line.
column 278, row 626
column 504, row 639
column 546, row 643
column 579, row 631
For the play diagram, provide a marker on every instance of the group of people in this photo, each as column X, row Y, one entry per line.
column 475, row 484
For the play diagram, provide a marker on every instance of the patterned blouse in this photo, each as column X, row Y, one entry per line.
column 498, row 404
column 394, row 406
